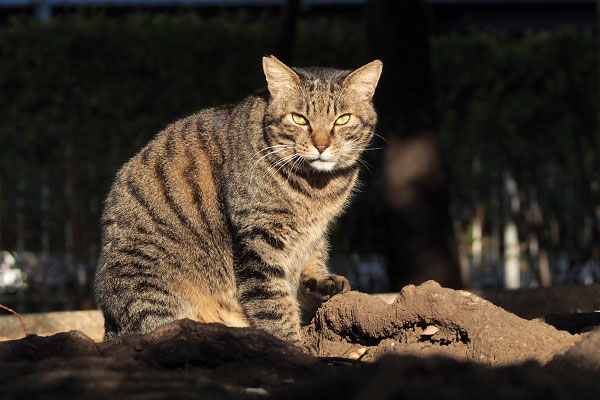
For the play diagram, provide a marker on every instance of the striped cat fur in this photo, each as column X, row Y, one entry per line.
column 223, row 216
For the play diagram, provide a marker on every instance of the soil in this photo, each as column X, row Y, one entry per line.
column 431, row 342
column 463, row 326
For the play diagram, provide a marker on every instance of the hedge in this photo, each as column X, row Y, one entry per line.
column 80, row 94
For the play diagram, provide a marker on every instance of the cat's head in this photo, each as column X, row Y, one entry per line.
column 319, row 119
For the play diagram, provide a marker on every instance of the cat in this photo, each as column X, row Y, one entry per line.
column 223, row 216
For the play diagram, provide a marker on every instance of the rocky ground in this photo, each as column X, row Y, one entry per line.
column 431, row 342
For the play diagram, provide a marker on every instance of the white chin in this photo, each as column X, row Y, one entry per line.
column 321, row 165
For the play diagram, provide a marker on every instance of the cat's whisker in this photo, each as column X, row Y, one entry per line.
column 281, row 163
column 286, row 161
column 288, row 157
column 380, row 137
column 365, row 164
column 346, row 153
column 361, row 148
column 349, row 148
column 266, row 155
column 296, row 159
column 254, row 166
column 297, row 163
column 270, row 148
column 373, row 148
column 364, row 148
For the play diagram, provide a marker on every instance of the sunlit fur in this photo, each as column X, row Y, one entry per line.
column 223, row 216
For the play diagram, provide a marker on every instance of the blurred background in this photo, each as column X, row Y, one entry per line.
column 485, row 172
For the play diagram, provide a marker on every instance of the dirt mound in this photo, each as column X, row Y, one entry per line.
column 175, row 361
column 431, row 320
column 430, row 343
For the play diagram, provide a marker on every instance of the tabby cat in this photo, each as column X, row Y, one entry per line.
column 223, row 216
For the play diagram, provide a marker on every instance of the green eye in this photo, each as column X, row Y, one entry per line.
column 342, row 120
column 299, row 119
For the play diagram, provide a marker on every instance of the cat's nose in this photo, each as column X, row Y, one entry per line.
column 321, row 147
column 321, row 141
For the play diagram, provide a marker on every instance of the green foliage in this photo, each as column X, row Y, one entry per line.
column 103, row 86
column 516, row 98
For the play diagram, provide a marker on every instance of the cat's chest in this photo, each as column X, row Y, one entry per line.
column 304, row 230
column 300, row 249
column 283, row 234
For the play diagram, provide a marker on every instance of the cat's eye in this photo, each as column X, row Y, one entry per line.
column 299, row 119
column 343, row 119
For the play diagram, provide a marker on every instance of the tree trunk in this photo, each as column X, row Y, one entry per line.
column 20, row 203
column 419, row 230
column 69, row 258
column 45, row 205
column 512, row 270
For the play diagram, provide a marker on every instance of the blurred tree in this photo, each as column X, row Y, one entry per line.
column 421, row 243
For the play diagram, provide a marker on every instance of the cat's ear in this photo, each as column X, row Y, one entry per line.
column 364, row 80
column 280, row 77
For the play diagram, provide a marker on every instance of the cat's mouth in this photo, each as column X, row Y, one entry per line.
column 324, row 162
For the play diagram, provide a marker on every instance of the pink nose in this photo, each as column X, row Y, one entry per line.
column 321, row 147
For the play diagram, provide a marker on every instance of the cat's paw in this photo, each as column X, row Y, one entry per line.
column 323, row 289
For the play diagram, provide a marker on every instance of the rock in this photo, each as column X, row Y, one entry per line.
column 91, row 322
column 35, row 348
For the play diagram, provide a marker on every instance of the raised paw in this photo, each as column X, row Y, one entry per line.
column 323, row 289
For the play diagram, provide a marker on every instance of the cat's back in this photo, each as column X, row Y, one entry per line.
column 180, row 170
column 165, row 179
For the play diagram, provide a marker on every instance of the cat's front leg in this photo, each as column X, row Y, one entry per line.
column 317, row 284
column 316, row 279
column 266, row 297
